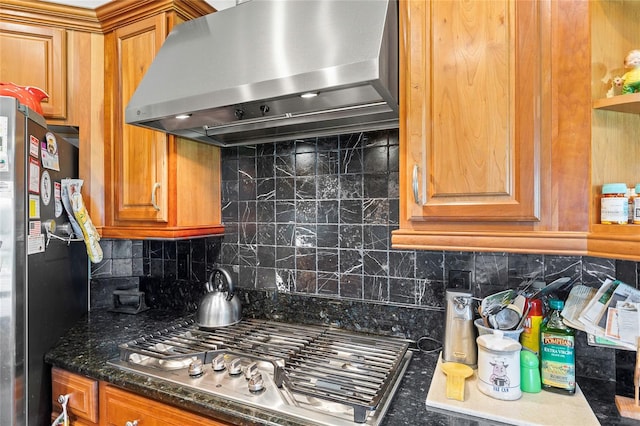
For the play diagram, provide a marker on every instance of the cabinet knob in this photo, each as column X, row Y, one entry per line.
column 153, row 197
column 131, row 423
column 415, row 184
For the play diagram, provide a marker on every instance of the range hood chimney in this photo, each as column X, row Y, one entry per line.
column 271, row 70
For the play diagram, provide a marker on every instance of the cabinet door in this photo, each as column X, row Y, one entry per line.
column 470, row 120
column 140, row 156
column 36, row 56
column 82, row 406
column 117, row 407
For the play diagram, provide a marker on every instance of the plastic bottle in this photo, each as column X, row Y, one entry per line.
column 632, row 193
column 530, row 337
column 614, row 204
column 557, row 352
column 636, row 206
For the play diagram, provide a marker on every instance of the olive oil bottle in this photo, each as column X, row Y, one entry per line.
column 557, row 352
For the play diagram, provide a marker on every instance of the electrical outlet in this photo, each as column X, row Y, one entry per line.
column 459, row 279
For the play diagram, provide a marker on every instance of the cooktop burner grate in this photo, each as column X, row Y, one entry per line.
column 308, row 363
column 344, row 368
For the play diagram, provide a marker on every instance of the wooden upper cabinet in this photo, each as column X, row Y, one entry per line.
column 156, row 185
column 36, row 56
column 615, row 122
column 480, row 162
column 472, row 126
column 140, row 155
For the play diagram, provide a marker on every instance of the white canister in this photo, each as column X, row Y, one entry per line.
column 499, row 366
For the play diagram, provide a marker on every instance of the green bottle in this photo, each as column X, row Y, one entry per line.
column 557, row 352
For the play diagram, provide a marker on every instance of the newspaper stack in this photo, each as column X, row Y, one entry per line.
column 609, row 315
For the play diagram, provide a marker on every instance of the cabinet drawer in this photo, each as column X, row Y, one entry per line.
column 83, row 402
column 117, row 407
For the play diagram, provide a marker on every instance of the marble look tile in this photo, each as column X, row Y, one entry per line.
column 328, row 211
column 402, row 290
column 246, row 168
column 327, row 260
column 265, row 278
column 306, row 188
column 285, row 188
column 375, row 288
column 351, row 159
column 375, row 211
column 266, row 256
column 230, row 211
column 328, row 187
column 266, row 189
column 265, row 211
column 351, row 211
column 402, row 264
column 328, row 283
column 350, row 187
column 247, row 255
column 350, row 236
column 285, row 212
column 285, row 257
column 596, row 270
column 375, row 237
column 285, row 165
column 374, row 159
column 327, row 235
column 305, row 164
column 265, row 166
column 229, row 169
column 350, row 262
column 246, row 188
column 628, row 272
column 306, row 211
column 328, row 163
column 266, row 234
column 306, row 259
column 305, row 282
column 430, row 265
column 247, row 211
column 285, row 234
column 351, row 286
column 375, row 262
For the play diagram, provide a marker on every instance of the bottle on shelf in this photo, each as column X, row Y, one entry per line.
column 614, row 205
column 636, row 206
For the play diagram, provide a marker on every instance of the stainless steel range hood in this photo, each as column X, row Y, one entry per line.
column 239, row 75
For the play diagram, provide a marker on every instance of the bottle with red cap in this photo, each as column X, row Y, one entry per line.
column 530, row 337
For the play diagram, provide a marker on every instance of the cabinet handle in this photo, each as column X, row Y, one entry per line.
column 154, row 203
column 416, row 189
column 131, row 423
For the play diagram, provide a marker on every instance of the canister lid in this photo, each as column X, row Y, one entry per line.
column 614, row 188
column 498, row 342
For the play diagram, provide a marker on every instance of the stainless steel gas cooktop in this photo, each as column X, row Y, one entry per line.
column 318, row 374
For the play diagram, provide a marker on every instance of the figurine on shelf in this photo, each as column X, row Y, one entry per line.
column 630, row 81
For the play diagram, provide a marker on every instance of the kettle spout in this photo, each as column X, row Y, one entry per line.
column 37, row 92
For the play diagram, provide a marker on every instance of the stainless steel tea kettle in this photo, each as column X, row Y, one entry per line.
column 218, row 307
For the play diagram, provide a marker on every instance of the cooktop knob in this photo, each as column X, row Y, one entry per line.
column 256, row 383
column 218, row 363
column 235, row 367
column 250, row 370
column 195, row 368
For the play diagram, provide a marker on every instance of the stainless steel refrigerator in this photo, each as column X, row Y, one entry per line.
column 43, row 279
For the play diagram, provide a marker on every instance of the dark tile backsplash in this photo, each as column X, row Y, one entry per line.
column 313, row 219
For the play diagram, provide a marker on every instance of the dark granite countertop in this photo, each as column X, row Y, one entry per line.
column 88, row 346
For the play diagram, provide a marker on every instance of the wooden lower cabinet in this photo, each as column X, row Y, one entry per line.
column 119, row 407
column 93, row 403
column 82, row 406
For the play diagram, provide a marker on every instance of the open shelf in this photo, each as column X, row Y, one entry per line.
column 623, row 103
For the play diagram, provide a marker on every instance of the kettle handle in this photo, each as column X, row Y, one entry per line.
column 227, row 278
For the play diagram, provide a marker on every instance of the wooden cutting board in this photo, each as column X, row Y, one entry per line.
column 544, row 408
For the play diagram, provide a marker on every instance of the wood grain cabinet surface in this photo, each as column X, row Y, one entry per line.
column 494, row 141
column 615, row 122
column 118, row 407
column 82, row 405
column 36, row 56
column 156, row 185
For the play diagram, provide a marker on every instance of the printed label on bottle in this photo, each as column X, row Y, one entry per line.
column 614, row 210
column 558, row 361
